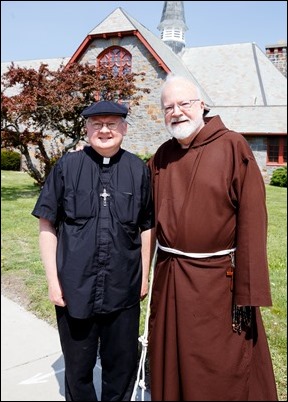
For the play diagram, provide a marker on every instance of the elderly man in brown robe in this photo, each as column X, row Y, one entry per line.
column 207, row 341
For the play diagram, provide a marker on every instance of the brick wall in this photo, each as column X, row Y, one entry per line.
column 278, row 55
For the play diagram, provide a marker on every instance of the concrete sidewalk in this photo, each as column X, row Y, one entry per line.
column 32, row 366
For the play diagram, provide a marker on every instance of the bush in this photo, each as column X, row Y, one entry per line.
column 145, row 158
column 279, row 177
column 10, row 160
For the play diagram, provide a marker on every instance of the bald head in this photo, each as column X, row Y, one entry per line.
column 179, row 87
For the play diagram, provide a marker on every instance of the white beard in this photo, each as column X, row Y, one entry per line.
column 185, row 130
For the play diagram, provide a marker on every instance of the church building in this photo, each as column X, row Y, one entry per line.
column 239, row 82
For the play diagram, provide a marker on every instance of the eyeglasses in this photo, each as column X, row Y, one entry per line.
column 185, row 105
column 111, row 126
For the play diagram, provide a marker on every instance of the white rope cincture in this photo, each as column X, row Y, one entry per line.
column 143, row 339
column 196, row 255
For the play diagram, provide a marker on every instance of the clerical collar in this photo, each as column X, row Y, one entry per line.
column 102, row 160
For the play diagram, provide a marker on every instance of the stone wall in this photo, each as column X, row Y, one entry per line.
column 146, row 131
column 258, row 146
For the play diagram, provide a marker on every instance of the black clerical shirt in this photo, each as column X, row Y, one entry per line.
column 99, row 208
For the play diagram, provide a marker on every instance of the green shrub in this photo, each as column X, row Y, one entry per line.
column 10, row 160
column 145, row 157
column 279, row 177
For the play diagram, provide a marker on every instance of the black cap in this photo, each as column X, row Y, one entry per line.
column 104, row 108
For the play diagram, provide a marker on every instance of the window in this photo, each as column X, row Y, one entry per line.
column 277, row 150
column 117, row 58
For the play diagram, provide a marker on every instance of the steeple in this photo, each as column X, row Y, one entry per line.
column 173, row 25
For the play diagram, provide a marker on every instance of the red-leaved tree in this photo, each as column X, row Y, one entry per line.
column 40, row 109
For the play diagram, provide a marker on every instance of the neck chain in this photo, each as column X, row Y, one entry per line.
column 105, row 179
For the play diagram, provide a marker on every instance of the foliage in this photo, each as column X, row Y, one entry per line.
column 279, row 177
column 10, row 160
column 145, row 157
column 40, row 109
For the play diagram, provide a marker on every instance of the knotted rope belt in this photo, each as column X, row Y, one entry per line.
column 196, row 255
column 241, row 315
column 238, row 314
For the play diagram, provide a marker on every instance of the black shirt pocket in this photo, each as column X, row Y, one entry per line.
column 81, row 204
column 125, row 207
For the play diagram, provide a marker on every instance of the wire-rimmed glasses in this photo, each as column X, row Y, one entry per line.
column 184, row 105
column 97, row 126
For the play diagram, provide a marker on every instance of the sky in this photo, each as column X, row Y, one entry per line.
column 32, row 30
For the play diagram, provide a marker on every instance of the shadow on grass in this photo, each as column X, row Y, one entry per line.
column 13, row 193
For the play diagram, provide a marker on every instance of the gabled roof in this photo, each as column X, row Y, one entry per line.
column 120, row 23
column 244, row 86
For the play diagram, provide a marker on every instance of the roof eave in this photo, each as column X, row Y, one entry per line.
column 107, row 35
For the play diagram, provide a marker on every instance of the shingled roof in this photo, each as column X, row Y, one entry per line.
column 237, row 81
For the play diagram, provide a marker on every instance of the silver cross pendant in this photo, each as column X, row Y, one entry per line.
column 104, row 195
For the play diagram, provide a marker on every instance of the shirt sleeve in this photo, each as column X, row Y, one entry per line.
column 49, row 203
column 147, row 214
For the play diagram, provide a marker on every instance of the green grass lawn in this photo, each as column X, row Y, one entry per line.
column 21, row 266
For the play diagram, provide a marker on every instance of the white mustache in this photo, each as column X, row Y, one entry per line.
column 176, row 120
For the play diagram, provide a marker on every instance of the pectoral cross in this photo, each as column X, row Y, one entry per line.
column 104, row 195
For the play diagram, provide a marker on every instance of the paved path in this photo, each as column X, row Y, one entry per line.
column 32, row 367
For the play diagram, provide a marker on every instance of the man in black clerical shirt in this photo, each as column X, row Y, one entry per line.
column 95, row 217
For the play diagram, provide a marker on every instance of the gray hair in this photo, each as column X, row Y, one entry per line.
column 174, row 78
